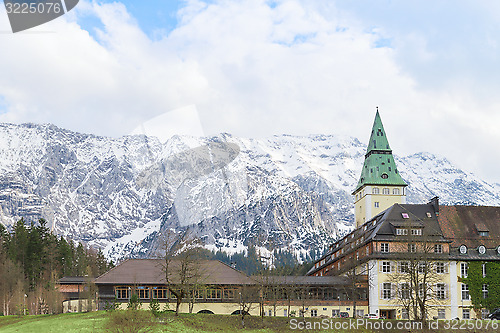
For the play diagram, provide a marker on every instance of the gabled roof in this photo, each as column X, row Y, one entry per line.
column 463, row 223
column 379, row 167
column 413, row 216
column 151, row 271
column 383, row 227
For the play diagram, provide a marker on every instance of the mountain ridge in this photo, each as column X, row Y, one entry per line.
column 281, row 192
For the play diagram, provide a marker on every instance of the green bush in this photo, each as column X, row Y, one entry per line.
column 111, row 306
column 154, row 307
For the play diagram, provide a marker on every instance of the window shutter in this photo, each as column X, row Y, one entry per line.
column 380, row 266
column 446, row 291
column 393, row 268
column 381, row 286
column 446, row 268
column 393, row 290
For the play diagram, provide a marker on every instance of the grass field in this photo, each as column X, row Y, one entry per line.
column 142, row 321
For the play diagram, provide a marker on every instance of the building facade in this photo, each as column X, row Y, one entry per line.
column 221, row 289
column 406, row 254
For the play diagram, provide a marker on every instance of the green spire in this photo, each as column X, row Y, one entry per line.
column 379, row 167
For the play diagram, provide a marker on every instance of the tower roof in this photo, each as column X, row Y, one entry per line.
column 379, row 167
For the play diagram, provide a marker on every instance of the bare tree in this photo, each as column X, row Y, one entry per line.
column 357, row 284
column 182, row 266
column 248, row 296
column 416, row 280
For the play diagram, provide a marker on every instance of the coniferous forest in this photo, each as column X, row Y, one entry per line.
column 32, row 260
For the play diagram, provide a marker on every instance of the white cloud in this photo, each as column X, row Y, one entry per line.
column 253, row 69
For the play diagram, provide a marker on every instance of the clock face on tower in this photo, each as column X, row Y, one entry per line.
column 463, row 249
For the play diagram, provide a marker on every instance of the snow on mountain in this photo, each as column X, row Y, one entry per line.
column 283, row 192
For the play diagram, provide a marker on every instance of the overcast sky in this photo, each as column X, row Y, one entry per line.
column 257, row 68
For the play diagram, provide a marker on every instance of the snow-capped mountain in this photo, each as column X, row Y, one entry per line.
column 283, row 192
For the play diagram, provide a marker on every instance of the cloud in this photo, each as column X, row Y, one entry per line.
column 256, row 68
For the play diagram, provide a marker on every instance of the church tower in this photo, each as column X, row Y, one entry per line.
column 380, row 185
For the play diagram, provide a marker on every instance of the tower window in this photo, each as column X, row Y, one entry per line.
column 376, row 190
column 389, row 169
column 384, row 176
column 385, row 190
column 376, row 204
column 395, row 191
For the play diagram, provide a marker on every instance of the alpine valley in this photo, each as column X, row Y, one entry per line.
column 281, row 193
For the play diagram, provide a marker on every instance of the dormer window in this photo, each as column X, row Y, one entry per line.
column 482, row 229
column 405, row 215
column 401, row 231
column 416, row 232
column 429, row 215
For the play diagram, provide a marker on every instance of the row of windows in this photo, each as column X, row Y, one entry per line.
column 404, row 231
column 384, row 248
column 466, row 295
column 376, row 190
column 441, row 314
column 464, row 269
column 395, row 191
column 481, row 249
column 390, row 290
column 163, row 293
column 405, row 267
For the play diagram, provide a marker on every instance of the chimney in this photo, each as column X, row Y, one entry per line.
column 435, row 203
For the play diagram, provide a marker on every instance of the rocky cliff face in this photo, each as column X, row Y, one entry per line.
column 283, row 192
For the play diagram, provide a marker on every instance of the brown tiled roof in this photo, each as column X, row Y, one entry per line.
column 462, row 225
column 151, row 271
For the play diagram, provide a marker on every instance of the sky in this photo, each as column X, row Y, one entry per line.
column 256, row 68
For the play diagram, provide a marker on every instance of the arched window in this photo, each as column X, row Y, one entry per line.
column 376, row 190
column 395, row 191
column 386, row 191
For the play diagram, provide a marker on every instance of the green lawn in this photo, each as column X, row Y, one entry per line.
column 142, row 321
